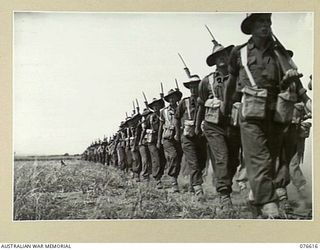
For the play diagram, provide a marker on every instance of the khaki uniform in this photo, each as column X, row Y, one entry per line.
column 262, row 139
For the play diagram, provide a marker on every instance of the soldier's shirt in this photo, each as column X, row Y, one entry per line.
column 182, row 110
column 153, row 122
column 205, row 89
column 167, row 115
column 264, row 67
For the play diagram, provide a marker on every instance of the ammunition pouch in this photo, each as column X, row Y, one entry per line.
column 254, row 102
column 131, row 142
column 189, row 128
column 304, row 129
column 285, row 107
column 212, row 111
column 235, row 114
column 151, row 136
column 168, row 132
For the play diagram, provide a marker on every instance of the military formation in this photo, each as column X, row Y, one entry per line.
column 248, row 117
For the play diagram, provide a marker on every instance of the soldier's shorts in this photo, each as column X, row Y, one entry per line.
column 195, row 153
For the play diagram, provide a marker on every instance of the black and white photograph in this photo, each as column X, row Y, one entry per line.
column 162, row 115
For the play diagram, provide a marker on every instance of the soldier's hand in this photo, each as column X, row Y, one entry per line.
column 158, row 145
column 291, row 73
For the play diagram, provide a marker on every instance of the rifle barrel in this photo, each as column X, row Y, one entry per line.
column 185, row 65
column 210, row 32
column 144, row 96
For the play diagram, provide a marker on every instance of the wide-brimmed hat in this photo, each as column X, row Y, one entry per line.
column 216, row 52
column 246, row 24
column 173, row 92
column 194, row 79
column 134, row 119
column 156, row 101
column 146, row 112
column 121, row 124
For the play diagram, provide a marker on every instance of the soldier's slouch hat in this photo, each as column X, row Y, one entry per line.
column 173, row 92
column 246, row 24
column 193, row 80
column 146, row 112
column 217, row 49
column 156, row 101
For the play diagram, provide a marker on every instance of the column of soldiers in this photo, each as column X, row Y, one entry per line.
column 249, row 113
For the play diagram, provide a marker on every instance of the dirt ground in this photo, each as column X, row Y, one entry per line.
column 45, row 190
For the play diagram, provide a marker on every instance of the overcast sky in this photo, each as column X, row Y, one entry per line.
column 76, row 74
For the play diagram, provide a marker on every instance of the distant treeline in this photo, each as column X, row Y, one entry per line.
column 47, row 157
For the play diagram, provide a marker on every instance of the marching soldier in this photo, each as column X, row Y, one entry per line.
column 143, row 147
column 135, row 130
column 256, row 63
column 128, row 154
column 151, row 131
column 166, row 133
column 224, row 150
column 120, row 147
column 194, row 146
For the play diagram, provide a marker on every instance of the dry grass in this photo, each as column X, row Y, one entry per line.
column 44, row 190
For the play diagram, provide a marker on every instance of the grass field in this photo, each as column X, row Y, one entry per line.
column 45, row 190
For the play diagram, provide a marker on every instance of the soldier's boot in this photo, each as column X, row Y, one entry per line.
column 136, row 177
column 174, row 183
column 199, row 193
column 270, row 211
column 191, row 189
column 255, row 210
column 159, row 184
column 226, row 205
column 284, row 206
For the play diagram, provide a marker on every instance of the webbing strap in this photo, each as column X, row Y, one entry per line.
column 244, row 60
column 211, row 82
column 188, row 108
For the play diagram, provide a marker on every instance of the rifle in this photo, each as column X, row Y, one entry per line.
column 286, row 62
column 138, row 108
column 145, row 99
column 161, row 93
column 177, row 86
column 186, row 69
column 215, row 43
column 134, row 108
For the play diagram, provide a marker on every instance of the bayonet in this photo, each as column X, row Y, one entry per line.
column 145, row 99
column 213, row 39
column 186, row 69
column 177, row 85
column 138, row 108
column 161, row 94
